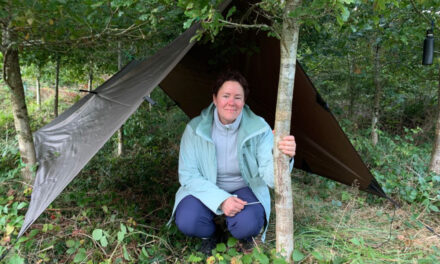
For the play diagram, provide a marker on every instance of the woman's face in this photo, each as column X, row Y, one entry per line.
column 229, row 101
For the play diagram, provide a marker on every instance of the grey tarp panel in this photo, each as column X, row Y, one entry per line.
column 66, row 144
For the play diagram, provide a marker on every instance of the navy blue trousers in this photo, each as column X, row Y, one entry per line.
column 193, row 218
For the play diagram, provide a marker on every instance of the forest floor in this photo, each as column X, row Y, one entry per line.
column 117, row 208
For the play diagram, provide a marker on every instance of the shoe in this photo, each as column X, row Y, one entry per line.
column 208, row 244
column 246, row 245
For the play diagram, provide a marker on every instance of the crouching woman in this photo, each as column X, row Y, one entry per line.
column 226, row 167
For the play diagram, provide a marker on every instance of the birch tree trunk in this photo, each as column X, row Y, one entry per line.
column 283, row 186
column 377, row 97
column 38, row 88
column 121, row 129
column 90, row 82
column 57, row 82
column 12, row 78
column 434, row 166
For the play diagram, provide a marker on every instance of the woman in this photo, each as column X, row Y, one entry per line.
column 226, row 166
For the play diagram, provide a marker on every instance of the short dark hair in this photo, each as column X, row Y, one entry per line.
column 231, row 75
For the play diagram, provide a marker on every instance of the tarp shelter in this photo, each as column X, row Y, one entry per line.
column 185, row 71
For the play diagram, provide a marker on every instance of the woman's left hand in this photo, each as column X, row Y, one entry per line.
column 287, row 145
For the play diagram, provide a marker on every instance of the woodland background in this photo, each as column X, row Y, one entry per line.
column 363, row 56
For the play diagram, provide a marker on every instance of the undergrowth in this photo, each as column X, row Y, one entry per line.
column 117, row 208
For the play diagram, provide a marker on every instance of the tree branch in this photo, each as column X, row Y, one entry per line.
column 238, row 25
column 422, row 14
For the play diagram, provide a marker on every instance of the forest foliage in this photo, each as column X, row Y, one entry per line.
column 115, row 211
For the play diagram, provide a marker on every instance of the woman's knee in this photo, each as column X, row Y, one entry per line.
column 246, row 224
column 193, row 218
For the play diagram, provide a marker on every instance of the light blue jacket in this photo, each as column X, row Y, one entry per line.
column 198, row 164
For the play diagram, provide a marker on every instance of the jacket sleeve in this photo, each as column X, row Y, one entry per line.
column 265, row 158
column 191, row 178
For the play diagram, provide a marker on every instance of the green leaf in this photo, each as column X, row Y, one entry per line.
column 221, row 247
column 247, row 259
column 317, row 255
column 297, row 255
column 9, row 229
column 123, row 228
column 193, row 258
column 70, row 243
column 188, row 23
column 120, row 236
column 70, row 251
column 97, row 234
column 126, row 255
column 232, row 241
column 145, row 253
column 80, row 256
column 433, row 208
column 232, row 252
column 21, row 205
column 16, row 259
column 103, row 241
column 279, row 261
column 33, row 233
column 345, row 14
column 262, row 258
column 231, row 12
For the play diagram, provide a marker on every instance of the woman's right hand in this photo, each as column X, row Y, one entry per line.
column 232, row 206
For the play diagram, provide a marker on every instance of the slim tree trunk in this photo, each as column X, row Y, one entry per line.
column 121, row 129
column 434, row 166
column 350, row 88
column 283, row 186
column 12, row 78
column 57, row 82
column 90, row 83
column 377, row 97
column 38, row 88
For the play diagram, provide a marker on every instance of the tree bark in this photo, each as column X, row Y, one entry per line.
column 283, row 186
column 121, row 129
column 12, row 78
column 434, row 165
column 350, row 87
column 38, row 88
column 377, row 97
column 57, row 82
column 90, row 83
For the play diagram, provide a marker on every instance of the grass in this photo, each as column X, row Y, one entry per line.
column 352, row 231
column 355, row 231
